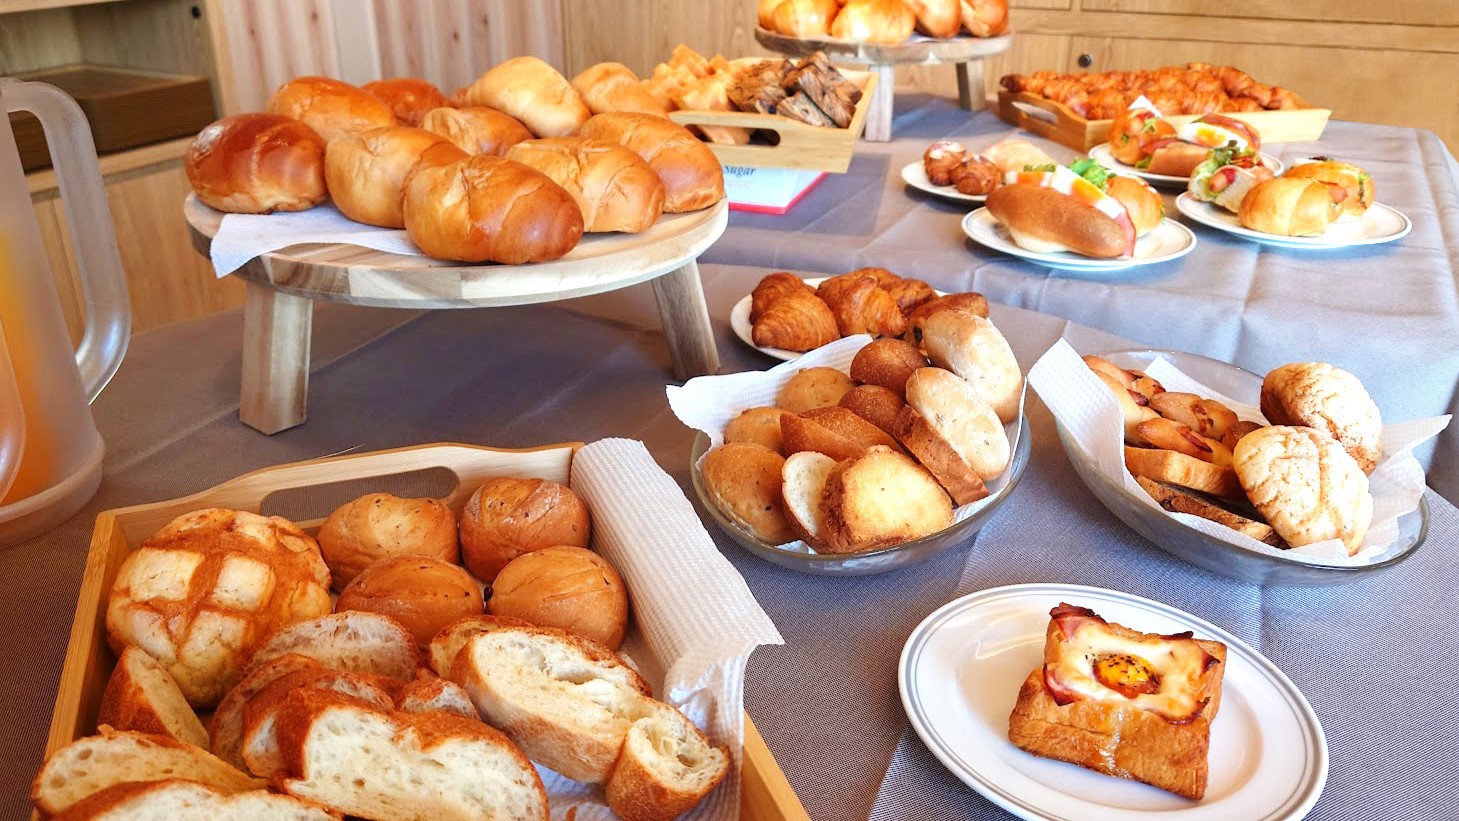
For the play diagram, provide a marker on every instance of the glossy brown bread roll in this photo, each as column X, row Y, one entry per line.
column 257, row 163
column 566, row 587
column 410, row 98
column 1289, row 207
column 804, row 18
column 366, row 171
column 937, row 18
column 477, row 130
column 488, row 209
column 532, row 91
column 613, row 87
column 421, row 593
column 692, row 177
column 985, row 18
column 330, row 107
column 507, row 517
column 614, row 188
column 874, row 21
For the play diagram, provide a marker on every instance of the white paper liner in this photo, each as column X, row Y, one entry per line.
column 1084, row 406
column 694, row 621
column 708, row 403
column 242, row 237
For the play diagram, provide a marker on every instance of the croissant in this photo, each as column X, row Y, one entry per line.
column 910, row 293
column 976, row 175
column 830, row 290
column 797, row 321
column 882, row 276
column 772, row 288
column 865, row 308
column 941, row 158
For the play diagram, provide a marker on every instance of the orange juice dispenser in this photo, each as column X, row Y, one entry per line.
column 50, row 451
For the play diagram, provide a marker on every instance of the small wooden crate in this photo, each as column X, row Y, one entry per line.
column 809, row 147
column 1063, row 126
column 89, row 660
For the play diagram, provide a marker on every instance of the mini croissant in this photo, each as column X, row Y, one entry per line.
column 771, row 288
column 797, row 321
column 865, row 308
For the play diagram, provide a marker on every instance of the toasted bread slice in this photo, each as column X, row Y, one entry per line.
column 666, row 767
column 845, row 422
column 959, row 413
column 804, row 488
column 141, row 696
column 179, row 799
column 260, row 741
column 1180, row 500
column 352, row 641
column 430, row 693
column 89, row 765
column 1184, row 471
column 880, row 499
column 225, row 731
column 448, row 643
column 940, row 457
column 801, row 433
column 371, row 763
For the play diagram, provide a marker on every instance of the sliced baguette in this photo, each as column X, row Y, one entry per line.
column 353, row 641
column 371, row 763
column 801, row 433
column 1181, row 500
column 845, row 422
column 883, row 498
column 141, row 696
column 448, row 643
column 430, row 693
column 964, row 419
column 1179, row 469
column 89, row 765
column 225, row 731
column 666, row 767
column 260, row 739
column 178, row 799
column 804, row 485
column 939, row 457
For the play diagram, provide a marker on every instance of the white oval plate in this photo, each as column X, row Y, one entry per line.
column 915, row 175
column 1170, row 240
column 1379, row 224
column 740, row 322
column 1101, row 154
column 959, row 677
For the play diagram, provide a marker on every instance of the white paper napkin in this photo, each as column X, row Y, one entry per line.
column 1090, row 413
column 694, row 618
column 708, row 403
column 242, row 237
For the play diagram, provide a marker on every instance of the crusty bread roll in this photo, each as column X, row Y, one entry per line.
column 330, row 107
column 985, row 18
column 614, row 188
column 408, row 97
column 743, row 480
column 887, row 362
column 937, row 18
column 477, row 130
column 421, row 593
column 179, row 798
column 1318, row 395
column 257, row 163
column 487, row 209
column 692, row 176
column 805, row 18
column 381, row 526
column 874, row 21
column 760, row 426
column 1045, row 220
column 1306, row 485
column 569, row 588
column 811, row 388
column 1289, row 207
column 532, row 91
column 507, row 517
column 877, row 405
column 614, row 87
column 366, row 171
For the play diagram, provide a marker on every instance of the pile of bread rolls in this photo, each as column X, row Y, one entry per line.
column 878, row 456
column 883, row 21
column 512, row 169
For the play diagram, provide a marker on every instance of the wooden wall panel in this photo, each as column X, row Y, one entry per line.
column 1414, row 12
column 38, row 39
column 451, row 42
column 272, row 41
column 641, row 34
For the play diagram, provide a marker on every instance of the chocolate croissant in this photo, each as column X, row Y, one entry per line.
column 773, row 287
column 797, row 321
column 865, row 308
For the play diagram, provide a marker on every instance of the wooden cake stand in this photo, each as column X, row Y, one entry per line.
column 282, row 286
column 964, row 51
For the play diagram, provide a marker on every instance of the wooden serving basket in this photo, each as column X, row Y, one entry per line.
column 1060, row 124
column 765, row 793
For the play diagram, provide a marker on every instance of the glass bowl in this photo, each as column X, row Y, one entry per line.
column 1178, row 539
column 872, row 561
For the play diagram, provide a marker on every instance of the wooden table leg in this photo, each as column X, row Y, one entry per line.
column 970, row 85
column 276, row 335
column 685, row 318
column 879, row 115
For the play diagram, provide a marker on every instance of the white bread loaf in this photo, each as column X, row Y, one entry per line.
column 352, row 641
column 225, row 731
column 141, row 696
column 666, row 767
column 260, row 716
column 179, row 799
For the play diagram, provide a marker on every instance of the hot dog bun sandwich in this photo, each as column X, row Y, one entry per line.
column 1136, row 127
column 1226, row 175
column 1351, row 187
column 1055, row 208
column 1178, row 156
column 1143, row 203
column 1289, row 207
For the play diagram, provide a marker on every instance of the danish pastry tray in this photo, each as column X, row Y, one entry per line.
column 765, row 793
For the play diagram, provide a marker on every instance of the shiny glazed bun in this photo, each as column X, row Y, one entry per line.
column 874, row 21
column 1289, row 207
column 614, row 188
column 366, row 171
column 408, row 97
column 569, row 588
column 1143, row 203
column 330, row 107
column 421, row 593
column 477, row 130
column 1355, row 185
column 257, row 163
column 985, row 18
column 692, row 176
column 507, row 517
column 488, row 209
column 380, row 526
column 1044, row 220
column 937, row 18
column 614, row 87
column 532, row 91
column 805, row 18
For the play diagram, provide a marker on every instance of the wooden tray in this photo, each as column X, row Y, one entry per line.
column 764, row 791
column 125, row 107
column 1060, row 124
column 804, row 146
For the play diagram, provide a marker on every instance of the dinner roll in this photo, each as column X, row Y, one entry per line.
column 366, row 171
column 257, row 163
column 507, row 517
column 408, row 97
column 330, row 107
column 614, row 87
column 532, row 91
column 487, row 209
column 421, row 593
column 744, row 481
column 811, row 388
column 874, row 21
column 804, row 18
column 692, row 177
column 380, row 526
column 565, row 587
column 614, row 188
column 477, row 130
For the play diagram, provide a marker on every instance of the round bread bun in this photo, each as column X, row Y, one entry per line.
column 614, row 87
column 569, row 588
column 1143, row 203
column 1305, row 485
column 744, row 481
column 692, row 176
column 408, row 97
column 1318, row 395
column 477, row 130
column 532, row 91
column 887, row 362
column 804, row 18
column 378, row 526
column 811, row 388
column 937, row 18
column 765, row 13
column 614, row 188
column 421, row 593
column 874, row 21
column 366, row 171
column 1043, row 220
column 330, row 107
column 507, row 517
column 876, row 404
column 257, row 163
column 985, row 18
column 1287, row 206
column 758, row 425
column 488, row 209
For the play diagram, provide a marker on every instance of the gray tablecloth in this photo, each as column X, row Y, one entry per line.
column 1376, row 658
column 1388, row 313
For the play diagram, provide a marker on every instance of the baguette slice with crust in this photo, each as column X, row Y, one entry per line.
column 91, row 764
column 448, row 643
column 142, row 696
column 956, row 410
column 881, row 499
column 260, row 739
column 666, row 767
column 799, row 434
column 430, row 693
column 179, row 799
column 352, row 641
column 1185, row 471
column 939, row 457
column 803, row 486
column 226, row 728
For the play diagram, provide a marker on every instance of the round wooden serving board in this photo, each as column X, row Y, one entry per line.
column 918, row 50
